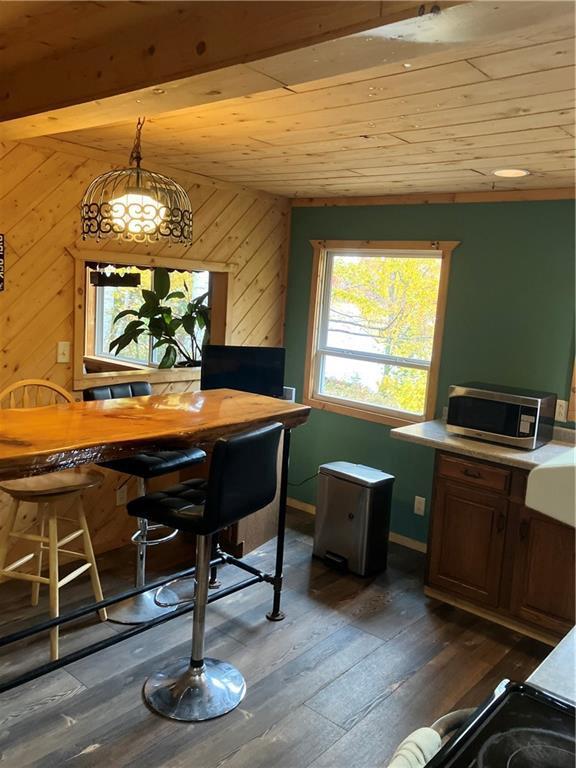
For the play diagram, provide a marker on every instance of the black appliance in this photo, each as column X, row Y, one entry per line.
column 521, row 418
column 520, row 726
column 259, row 370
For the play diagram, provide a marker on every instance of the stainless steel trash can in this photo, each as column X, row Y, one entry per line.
column 353, row 517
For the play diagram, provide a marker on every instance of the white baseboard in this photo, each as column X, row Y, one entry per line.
column 301, row 505
column 397, row 538
column 406, row 541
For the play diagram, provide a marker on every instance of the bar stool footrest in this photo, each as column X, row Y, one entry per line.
column 181, row 692
column 141, row 539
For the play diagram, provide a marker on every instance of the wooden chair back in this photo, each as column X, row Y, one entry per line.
column 33, row 393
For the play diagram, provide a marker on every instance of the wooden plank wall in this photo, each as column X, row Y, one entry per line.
column 40, row 192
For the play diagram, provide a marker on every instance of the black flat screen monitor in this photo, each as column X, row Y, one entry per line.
column 259, row 370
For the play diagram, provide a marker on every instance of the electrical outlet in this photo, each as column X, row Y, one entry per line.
column 444, row 413
column 63, row 352
column 122, row 496
column 419, row 505
column 561, row 410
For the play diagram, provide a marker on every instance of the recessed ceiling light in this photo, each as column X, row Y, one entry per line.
column 407, row 65
column 511, row 173
column 158, row 91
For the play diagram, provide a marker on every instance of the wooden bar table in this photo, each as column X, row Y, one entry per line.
column 33, row 441
column 39, row 440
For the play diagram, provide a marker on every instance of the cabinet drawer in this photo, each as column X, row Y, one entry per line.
column 471, row 473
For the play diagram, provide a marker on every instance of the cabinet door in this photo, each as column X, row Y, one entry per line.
column 467, row 542
column 543, row 577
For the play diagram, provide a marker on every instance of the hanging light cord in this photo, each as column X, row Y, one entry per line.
column 136, row 154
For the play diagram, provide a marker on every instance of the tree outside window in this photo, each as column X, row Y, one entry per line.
column 376, row 328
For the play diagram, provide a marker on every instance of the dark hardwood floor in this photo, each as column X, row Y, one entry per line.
column 354, row 668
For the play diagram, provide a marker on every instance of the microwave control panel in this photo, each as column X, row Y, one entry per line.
column 527, row 422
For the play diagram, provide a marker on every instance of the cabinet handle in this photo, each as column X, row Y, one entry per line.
column 523, row 529
column 472, row 473
column 501, row 524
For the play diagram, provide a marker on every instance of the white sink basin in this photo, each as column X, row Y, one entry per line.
column 551, row 488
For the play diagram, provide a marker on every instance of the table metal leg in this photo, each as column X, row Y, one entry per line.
column 214, row 582
column 276, row 614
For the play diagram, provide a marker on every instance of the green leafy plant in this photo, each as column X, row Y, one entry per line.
column 158, row 319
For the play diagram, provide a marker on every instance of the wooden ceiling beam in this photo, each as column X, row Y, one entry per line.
column 110, row 80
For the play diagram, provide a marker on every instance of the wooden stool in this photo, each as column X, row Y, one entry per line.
column 46, row 491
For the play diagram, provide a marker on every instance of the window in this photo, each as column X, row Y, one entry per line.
column 376, row 328
column 99, row 299
column 109, row 300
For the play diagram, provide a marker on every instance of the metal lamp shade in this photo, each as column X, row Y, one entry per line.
column 136, row 205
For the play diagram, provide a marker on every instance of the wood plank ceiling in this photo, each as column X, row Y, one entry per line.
column 436, row 115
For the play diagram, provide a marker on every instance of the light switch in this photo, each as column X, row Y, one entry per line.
column 63, row 352
column 561, row 410
column 419, row 505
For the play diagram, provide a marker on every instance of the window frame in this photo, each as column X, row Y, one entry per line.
column 316, row 349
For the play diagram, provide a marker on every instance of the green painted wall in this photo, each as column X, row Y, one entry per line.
column 509, row 320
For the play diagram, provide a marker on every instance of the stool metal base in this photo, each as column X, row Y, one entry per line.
column 138, row 609
column 181, row 692
column 176, row 593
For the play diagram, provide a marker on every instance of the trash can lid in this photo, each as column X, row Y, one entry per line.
column 356, row 473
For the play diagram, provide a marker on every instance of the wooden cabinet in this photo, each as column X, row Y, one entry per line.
column 467, row 542
column 542, row 589
column 489, row 552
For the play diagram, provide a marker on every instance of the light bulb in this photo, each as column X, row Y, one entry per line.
column 137, row 213
column 511, row 173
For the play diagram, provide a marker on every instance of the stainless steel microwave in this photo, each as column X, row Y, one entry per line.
column 518, row 417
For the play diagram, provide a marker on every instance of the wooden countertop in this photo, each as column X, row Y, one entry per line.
column 37, row 440
column 557, row 673
column 434, row 435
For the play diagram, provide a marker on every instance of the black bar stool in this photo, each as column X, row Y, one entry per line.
column 242, row 480
column 144, row 466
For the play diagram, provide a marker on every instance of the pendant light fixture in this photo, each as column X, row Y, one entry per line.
column 136, row 205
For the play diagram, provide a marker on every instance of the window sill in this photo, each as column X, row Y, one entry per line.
column 363, row 413
column 111, row 365
column 153, row 375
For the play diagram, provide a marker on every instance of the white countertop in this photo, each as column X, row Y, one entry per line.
column 434, row 435
column 557, row 673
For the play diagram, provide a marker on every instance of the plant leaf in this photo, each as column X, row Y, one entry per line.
column 157, row 327
column 122, row 342
column 150, row 297
column 168, row 359
column 148, row 310
column 161, row 343
column 189, row 324
column 175, row 295
column 135, row 327
column 161, row 282
column 125, row 313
